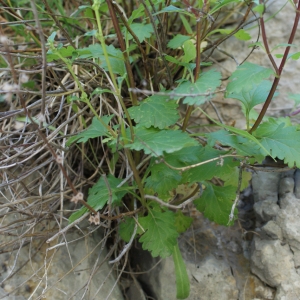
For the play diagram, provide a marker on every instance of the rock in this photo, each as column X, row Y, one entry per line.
column 215, row 280
column 272, row 230
column 272, row 262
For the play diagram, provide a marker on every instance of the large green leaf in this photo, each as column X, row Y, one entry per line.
column 281, row 140
column 205, row 84
column 216, row 203
column 162, row 180
column 212, row 169
column 100, row 194
column 246, row 77
column 155, row 142
column 160, row 235
column 156, row 111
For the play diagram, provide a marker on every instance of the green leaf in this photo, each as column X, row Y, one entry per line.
column 162, row 180
column 241, row 144
column 64, row 52
column 212, row 169
column 233, row 177
column 184, row 157
column 99, row 195
column 182, row 222
column 126, row 229
column 242, row 35
column 246, row 76
column 160, row 235
column 155, row 111
column 177, row 41
column 171, row 8
column 216, row 203
column 206, row 83
column 96, row 129
column 189, row 51
column 250, row 98
column 241, row 133
column 142, row 31
column 182, row 278
column 281, row 140
column 259, row 8
column 156, row 142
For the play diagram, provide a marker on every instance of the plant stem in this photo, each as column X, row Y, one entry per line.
column 277, row 78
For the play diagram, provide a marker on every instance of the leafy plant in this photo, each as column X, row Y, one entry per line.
column 133, row 132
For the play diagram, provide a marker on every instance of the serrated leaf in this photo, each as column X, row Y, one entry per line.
column 96, row 129
column 216, row 202
column 241, row 144
column 182, row 222
column 156, row 111
column 206, row 83
column 155, row 142
column 162, row 180
column 160, row 235
column 126, row 229
column 182, row 278
column 177, row 41
column 209, row 170
column 246, row 76
column 250, row 98
column 184, row 157
column 281, row 140
column 99, row 195
column 142, row 31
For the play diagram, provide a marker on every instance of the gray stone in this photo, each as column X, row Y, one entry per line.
column 272, row 230
column 214, row 280
column 272, row 262
column 266, row 210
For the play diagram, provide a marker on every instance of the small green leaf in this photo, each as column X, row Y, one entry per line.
column 155, row 111
column 281, row 140
column 64, row 52
column 96, row 129
column 177, row 41
column 205, row 84
column 182, row 278
column 250, row 98
column 182, row 222
column 216, row 203
column 189, row 51
column 160, row 235
column 162, row 180
column 156, row 142
column 246, row 76
column 259, row 8
column 100, row 194
column 126, row 229
column 242, row 35
column 170, row 8
column 142, row 31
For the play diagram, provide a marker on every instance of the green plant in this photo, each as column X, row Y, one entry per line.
column 141, row 127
